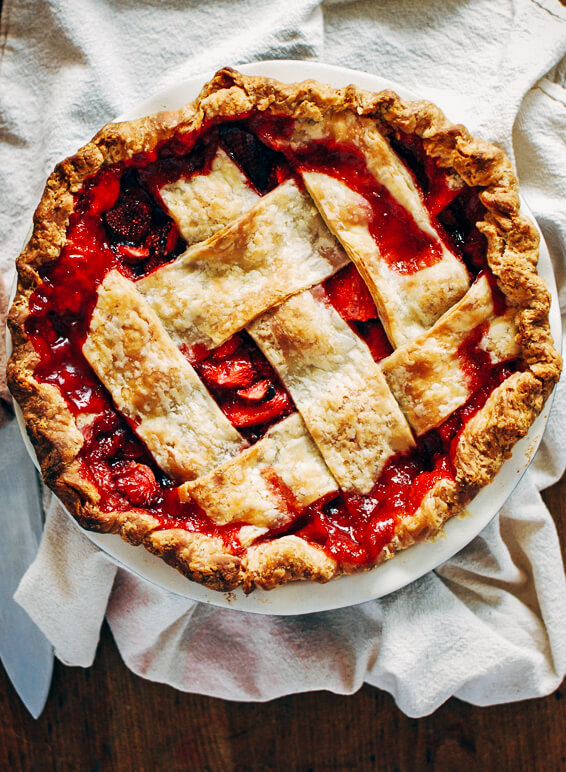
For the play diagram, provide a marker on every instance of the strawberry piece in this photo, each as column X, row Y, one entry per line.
column 108, row 445
column 130, row 219
column 253, row 415
column 162, row 240
column 237, row 373
column 349, row 295
column 227, row 349
column 104, row 193
column 256, row 392
column 132, row 254
column 135, row 481
column 373, row 334
column 172, row 238
column 257, row 161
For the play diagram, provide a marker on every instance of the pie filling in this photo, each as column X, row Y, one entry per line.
column 120, row 222
column 244, row 385
column 402, row 244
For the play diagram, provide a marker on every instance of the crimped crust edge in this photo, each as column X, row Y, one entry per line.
column 487, row 438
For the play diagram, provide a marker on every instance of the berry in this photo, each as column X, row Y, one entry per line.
column 135, row 481
column 130, row 219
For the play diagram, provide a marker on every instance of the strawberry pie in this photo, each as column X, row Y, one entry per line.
column 279, row 334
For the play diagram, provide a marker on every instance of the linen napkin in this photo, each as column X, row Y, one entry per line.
column 489, row 625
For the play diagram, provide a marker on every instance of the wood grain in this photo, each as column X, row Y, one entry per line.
column 106, row 718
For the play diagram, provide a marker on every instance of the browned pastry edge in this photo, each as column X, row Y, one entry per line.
column 487, row 439
column 5, row 398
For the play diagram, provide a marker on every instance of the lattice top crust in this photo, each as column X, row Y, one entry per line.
column 281, row 333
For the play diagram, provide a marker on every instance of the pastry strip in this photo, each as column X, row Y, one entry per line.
column 154, row 386
column 205, row 202
column 279, row 247
column 268, row 483
column 337, row 387
column 429, row 377
column 407, row 303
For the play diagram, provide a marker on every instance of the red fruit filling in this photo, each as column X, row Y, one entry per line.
column 350, row 296
column 474, row 360
column 353, row 528
column 179, row 158
column 264, row 167
column 402, row 244
column 347, row 292
column 373, row 334
column 115, row 460
column 456, row 210
column 257, row 392
column 429, row 177
column 130, row 218
column 459, row 221
column 119, row 222
column 136, row 482
column 245, row 386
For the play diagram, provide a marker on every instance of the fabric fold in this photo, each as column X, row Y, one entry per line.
column 489, row 626
column 66, row 589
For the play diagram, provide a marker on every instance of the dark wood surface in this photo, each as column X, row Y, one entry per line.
column 106, row 718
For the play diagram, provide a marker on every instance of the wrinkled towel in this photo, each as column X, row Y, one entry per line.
column 490, row 624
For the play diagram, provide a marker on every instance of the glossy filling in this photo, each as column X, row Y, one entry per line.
column 455, row 211
column 402, row 244
column 244, row 385
column 119, row 222
column 347, row 293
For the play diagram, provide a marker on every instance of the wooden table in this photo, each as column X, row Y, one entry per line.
column 105, row 718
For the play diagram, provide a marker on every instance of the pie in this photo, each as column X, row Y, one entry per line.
column 281, row 333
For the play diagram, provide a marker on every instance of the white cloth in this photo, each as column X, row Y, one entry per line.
column 488, row 626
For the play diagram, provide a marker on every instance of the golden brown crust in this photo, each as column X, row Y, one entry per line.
column 217, row 287
column 287, row 559
column 426, row 375
column 486, row 440
column 202, row 558
column 337, row 386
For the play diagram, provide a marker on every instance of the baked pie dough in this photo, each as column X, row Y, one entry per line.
column 264, row 484
column 154, row 386
column 202, row 204
column 281, row 333
column 336, row 386
column 429, row 377
column 218, row 286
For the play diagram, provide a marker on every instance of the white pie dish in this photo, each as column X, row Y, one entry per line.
column 308, row 597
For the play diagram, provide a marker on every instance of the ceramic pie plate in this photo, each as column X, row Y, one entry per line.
column 407, row 566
